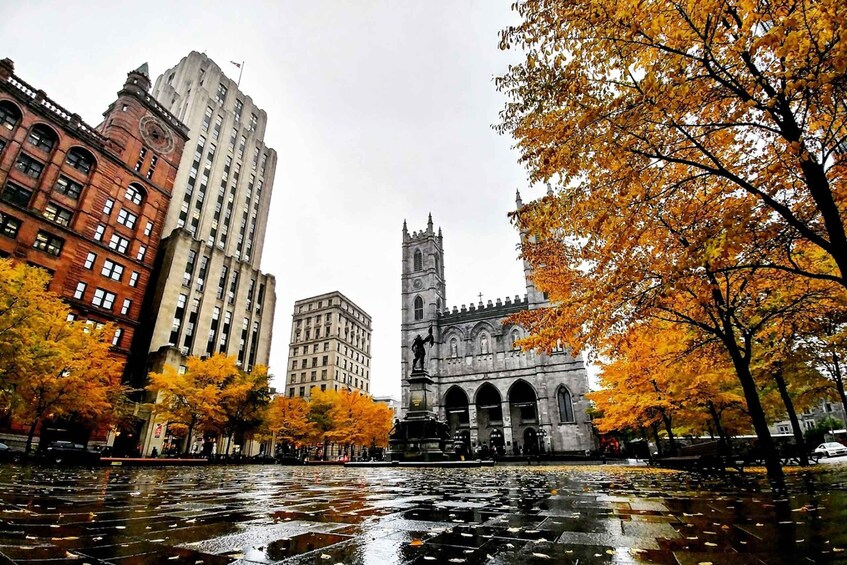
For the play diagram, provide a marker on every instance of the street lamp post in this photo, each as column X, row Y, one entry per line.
column 542, row 435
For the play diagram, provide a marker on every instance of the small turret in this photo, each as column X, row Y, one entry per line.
column 518, row 201
column 139, row 78
column 549, row 190
column 429, row 224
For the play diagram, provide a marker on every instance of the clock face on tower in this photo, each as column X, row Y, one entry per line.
column 156, row 135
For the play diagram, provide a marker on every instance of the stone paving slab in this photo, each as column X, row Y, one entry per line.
column 385, row 516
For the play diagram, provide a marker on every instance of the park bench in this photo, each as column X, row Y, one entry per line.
column 708, row 456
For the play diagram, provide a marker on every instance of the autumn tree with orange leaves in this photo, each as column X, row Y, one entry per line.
column 346, row 418
column 49, row 366
column 697, row 147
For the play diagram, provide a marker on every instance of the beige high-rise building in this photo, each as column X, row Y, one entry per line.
column 210, row 295
column 330, row 346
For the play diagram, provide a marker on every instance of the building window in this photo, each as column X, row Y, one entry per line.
column 153, row 162
column 9, row 115
column 141, row 155
column 221, row 94
column 116, row 340
column 134, row 194
column 239, row 106
column 118, row 243
column 89, row 260
column 17, row 195
column 207, row 119
column 9, row 225
column 253, row 121
column 418, row 260
column 42, row 137
column 57, row 214
column 98, row 232
column 112, row 270
column 148, row 229
column 48, row 243
column 133, row 279
column 126, row 305
column 142, row 250
column 565, row 405
column 29, row 166
column 127, row 218
column 80, row 290
column 80, row 160
column 107, row 207
column 103, row 298
column 68, row 187
column 418, row 308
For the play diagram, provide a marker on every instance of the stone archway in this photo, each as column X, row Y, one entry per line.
column 456, row 407
column 523, row 411
column 489, row 411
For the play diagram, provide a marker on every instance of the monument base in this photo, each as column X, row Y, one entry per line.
column 420, row 436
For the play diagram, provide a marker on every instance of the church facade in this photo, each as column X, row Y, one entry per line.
column 488, row 390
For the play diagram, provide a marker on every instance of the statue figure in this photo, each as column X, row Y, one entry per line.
column 419, row 350
column 454, row 348
column 483, row 344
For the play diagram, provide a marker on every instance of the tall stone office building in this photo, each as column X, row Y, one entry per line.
column 487, row 389
column 330, row 346
column 210, row 295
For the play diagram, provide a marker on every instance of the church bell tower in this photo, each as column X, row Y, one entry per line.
column 424, row 294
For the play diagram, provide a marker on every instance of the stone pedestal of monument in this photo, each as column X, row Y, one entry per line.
column 420, row 436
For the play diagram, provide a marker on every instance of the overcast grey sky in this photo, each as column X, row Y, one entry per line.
column 379, row 111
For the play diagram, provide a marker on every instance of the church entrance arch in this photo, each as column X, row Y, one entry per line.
column 497, row 439
column 523, row 409
column 489, row 411
column 456, row 407
column 530, row 441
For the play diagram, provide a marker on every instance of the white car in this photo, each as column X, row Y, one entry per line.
column 830, row 449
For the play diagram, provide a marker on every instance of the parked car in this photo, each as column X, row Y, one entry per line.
column 9, row 454
column 830, row 449
column 69, row 452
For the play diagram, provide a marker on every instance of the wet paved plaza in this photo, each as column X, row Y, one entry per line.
column 329, row 515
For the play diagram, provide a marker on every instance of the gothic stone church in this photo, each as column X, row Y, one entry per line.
column 488, row 390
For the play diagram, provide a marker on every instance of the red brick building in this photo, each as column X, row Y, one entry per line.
column 88, row 204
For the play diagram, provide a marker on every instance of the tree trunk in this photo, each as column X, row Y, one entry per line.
column 757, row 413
column 727, row 444
column 792, row 416
column 228, row 444
column 30, row 435
column 186, row 450
column 839, row 383
column 671, row 439
column 655, row 428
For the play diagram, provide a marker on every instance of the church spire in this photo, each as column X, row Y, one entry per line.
column 518, row 201
column 429, row 224
column 405, row 230
column 549, row 190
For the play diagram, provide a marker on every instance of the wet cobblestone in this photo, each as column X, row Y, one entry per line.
column 329, row 515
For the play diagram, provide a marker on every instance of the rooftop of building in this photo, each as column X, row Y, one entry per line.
column 327, row 296
column 480, row 311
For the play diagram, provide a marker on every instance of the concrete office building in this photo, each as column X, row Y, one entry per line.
column 210, row 295
column 330, row 346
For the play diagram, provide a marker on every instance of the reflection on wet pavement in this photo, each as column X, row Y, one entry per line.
column 329, row 515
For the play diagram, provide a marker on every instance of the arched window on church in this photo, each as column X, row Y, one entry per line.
column 418, row 260
column 418, row 308
column 565, row 405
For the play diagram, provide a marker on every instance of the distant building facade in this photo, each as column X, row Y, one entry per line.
column 330, row 346
column 488, row 390
column 88, row 204
column 209, row 295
